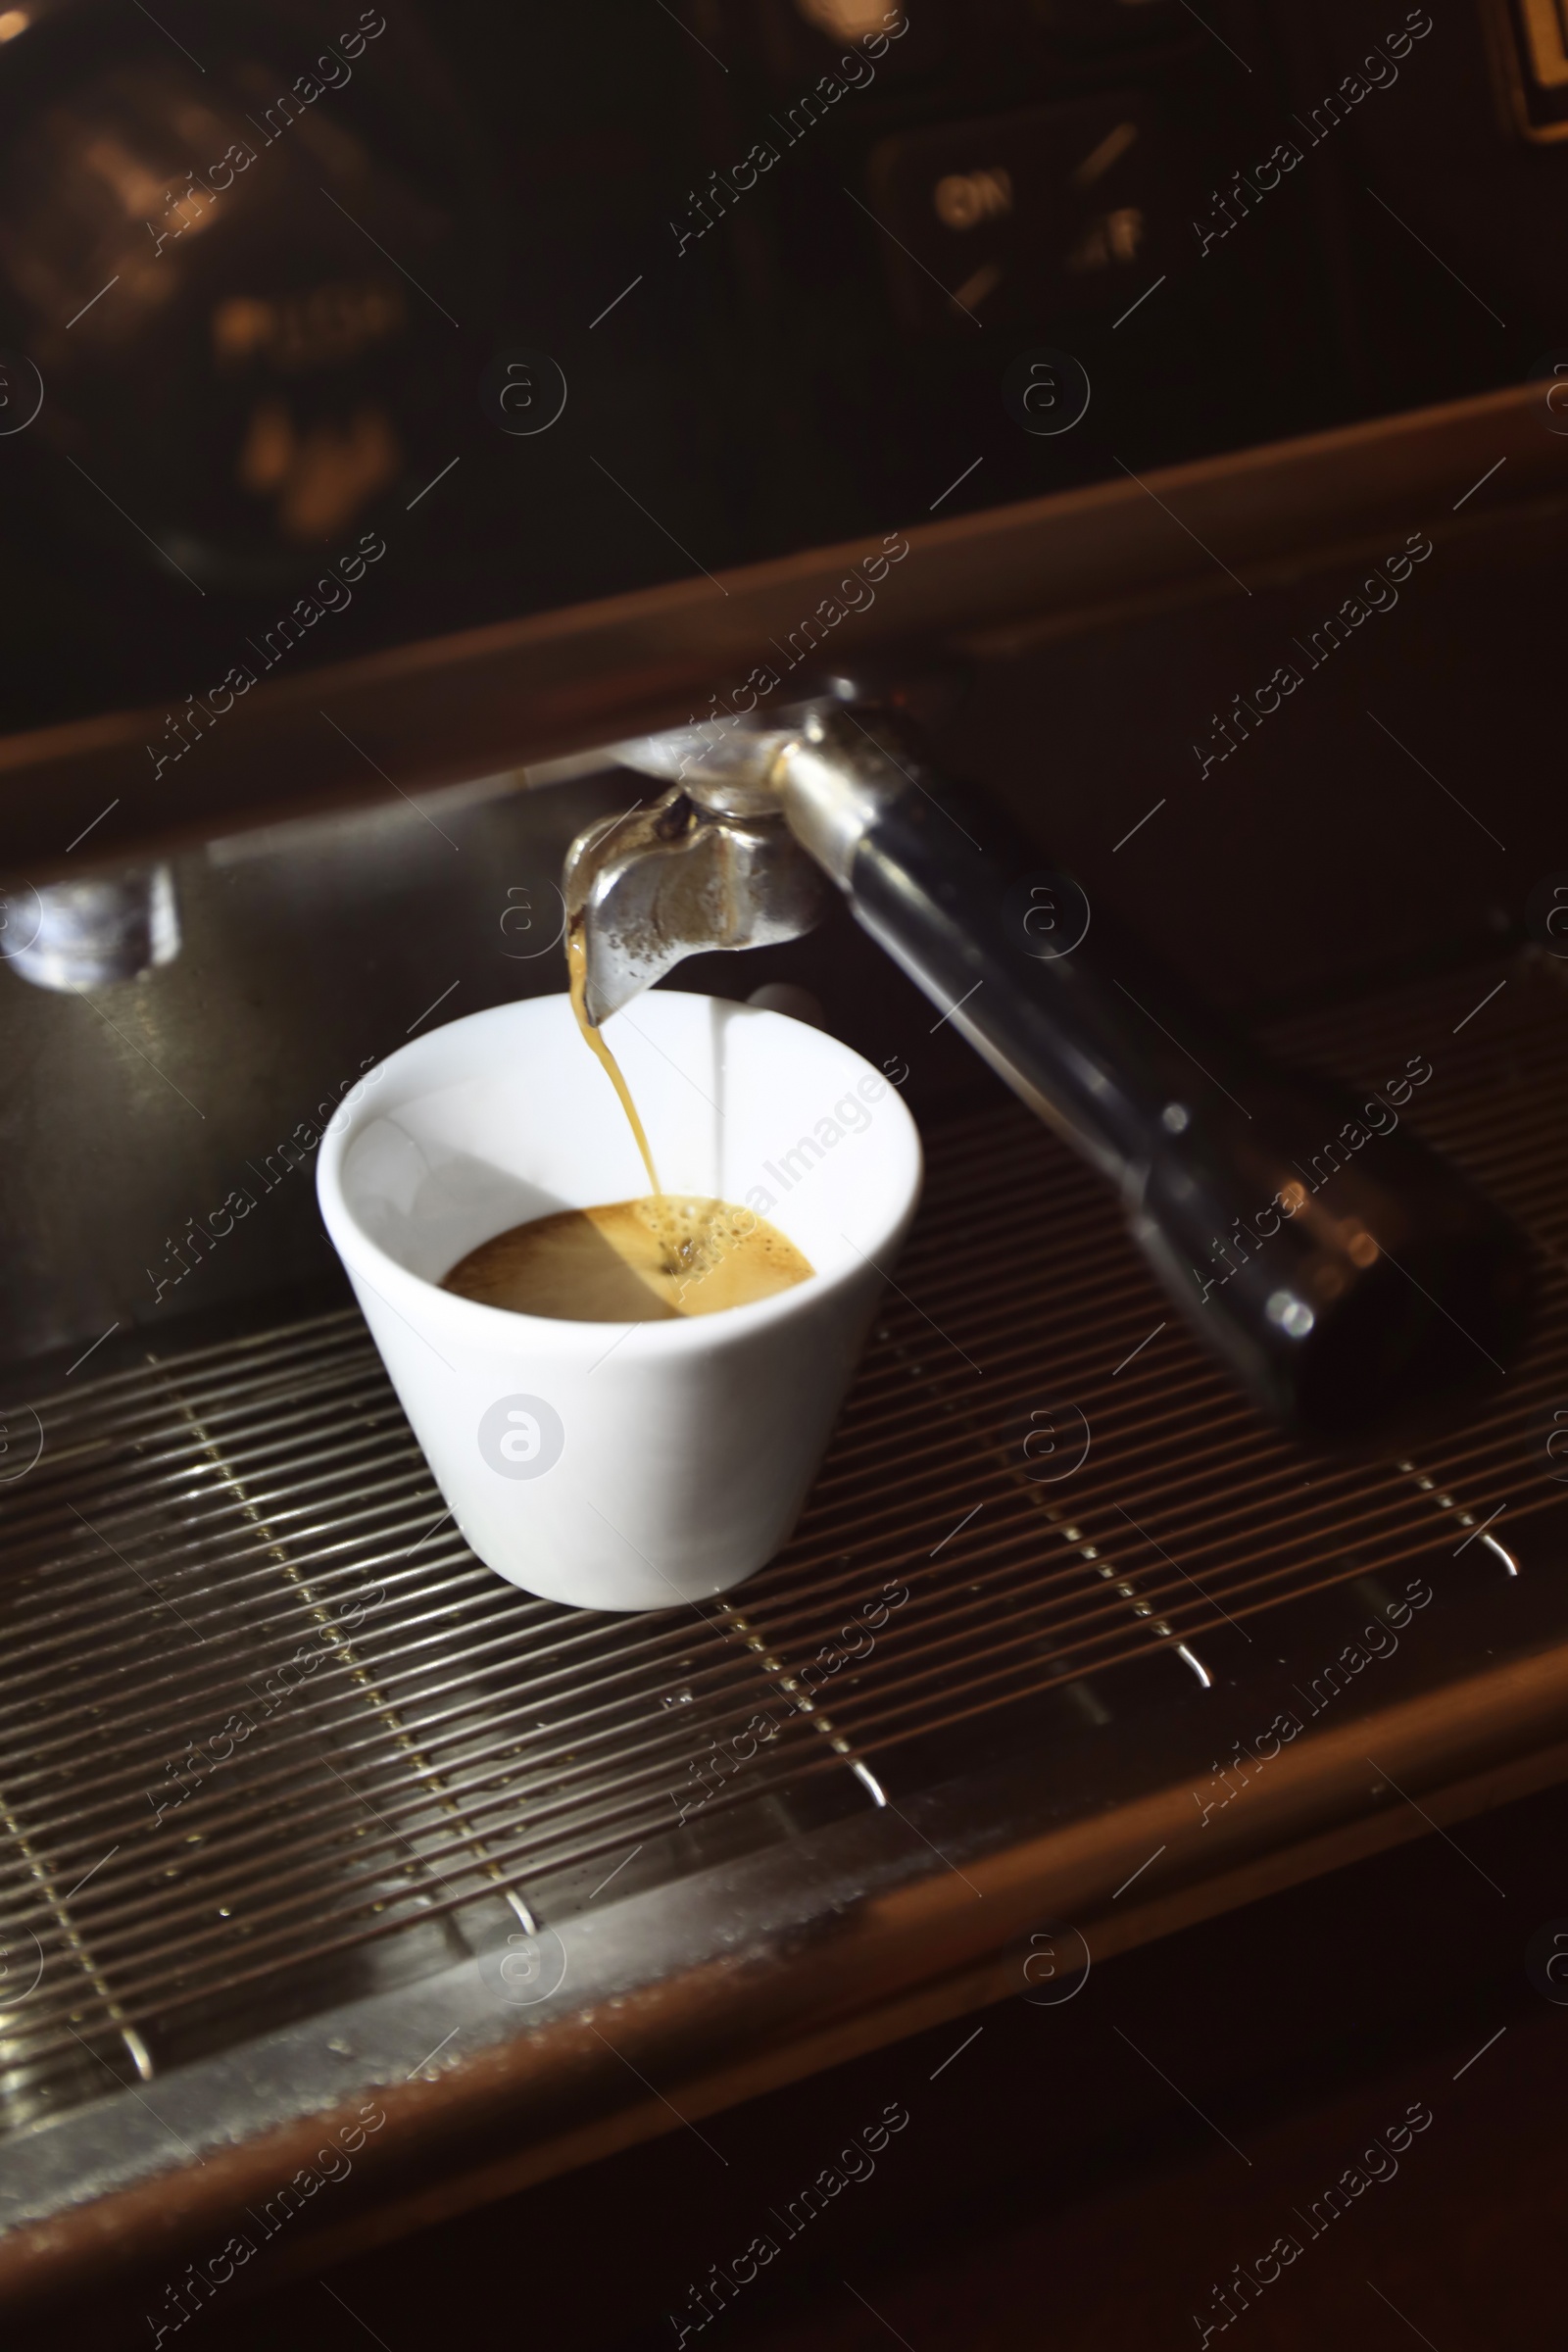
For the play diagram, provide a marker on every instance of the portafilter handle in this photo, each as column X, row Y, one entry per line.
column 1333, row 1261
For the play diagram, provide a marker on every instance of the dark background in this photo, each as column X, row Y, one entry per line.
column 500, row 174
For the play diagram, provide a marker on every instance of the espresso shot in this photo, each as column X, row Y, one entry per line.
column 632, row 1261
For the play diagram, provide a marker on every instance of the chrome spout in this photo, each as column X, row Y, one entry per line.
column 676, row 880
column 738, row 853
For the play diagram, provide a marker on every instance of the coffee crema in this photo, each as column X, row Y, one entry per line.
column 653, row 1260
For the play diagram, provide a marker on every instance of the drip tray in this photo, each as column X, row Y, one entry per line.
column 275, row 1741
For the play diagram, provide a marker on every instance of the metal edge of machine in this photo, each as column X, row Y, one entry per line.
column 758, row 1971
column 493, row 700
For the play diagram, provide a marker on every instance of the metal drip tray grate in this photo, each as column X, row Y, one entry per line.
column 269, row 1733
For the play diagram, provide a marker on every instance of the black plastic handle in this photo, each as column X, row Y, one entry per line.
column 1333, row 1261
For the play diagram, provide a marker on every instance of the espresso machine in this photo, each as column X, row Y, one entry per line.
column 1234, row 1321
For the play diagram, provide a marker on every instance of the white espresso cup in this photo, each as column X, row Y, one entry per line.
column 616, row 1466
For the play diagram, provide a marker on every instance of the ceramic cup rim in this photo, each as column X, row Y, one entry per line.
column 501, row 1329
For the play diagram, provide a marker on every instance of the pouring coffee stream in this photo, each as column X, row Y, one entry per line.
column 663, row 1257
column 637, row 1260
column 577, row 977
column 1336, row 1294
